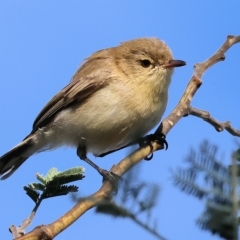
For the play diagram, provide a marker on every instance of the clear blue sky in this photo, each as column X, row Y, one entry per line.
column 42, row 44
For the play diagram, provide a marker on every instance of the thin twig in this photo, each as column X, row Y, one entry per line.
column 219, row 126
column 199, row 69
column 146, row 227
column 21, row 230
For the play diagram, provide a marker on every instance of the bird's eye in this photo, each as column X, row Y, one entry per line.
column 145, row 63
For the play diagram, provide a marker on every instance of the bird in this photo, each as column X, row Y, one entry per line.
column 113, row 100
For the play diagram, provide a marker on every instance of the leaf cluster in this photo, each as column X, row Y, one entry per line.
column 54, row 183
column 207, row 178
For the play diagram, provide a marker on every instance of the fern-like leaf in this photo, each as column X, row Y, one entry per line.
column 58, row 191
column 34, row 195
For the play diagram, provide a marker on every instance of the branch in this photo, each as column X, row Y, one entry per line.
column 48, row 232
column 195, row 82
column 146, row 227
column 20, row 231
column 219, row 126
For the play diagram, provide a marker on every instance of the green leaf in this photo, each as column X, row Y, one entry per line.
column 41, row 178
column 112, row 209
column 52, row 184
column 72, row 171
column 36, row 186
column 70, row 175
column 34, row 195
column 58, row 191
column 54, row 177
column 50, row 175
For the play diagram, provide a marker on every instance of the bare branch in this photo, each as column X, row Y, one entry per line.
column 195, row 82
column 20, row 231
column 219, row 126
column 200, row 68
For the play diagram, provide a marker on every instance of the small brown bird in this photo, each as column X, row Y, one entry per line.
column 112, row 101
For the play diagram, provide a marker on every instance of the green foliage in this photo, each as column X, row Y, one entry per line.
column 236, row 155
column 54, row 184
column 218, row 190
column 111, row 208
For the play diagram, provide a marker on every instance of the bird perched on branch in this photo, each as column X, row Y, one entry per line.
column 116, row 96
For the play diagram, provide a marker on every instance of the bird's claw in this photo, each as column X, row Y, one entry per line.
column 111, row 177
column 147, row 140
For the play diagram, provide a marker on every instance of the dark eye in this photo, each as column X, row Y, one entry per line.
column 145, row 63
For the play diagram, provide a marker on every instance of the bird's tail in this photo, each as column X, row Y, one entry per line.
column 13, row 159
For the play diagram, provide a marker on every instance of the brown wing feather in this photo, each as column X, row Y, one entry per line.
column 83, row 84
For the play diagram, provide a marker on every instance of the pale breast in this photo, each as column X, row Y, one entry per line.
column 109, row 119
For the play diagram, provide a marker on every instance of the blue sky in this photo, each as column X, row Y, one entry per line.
column 42, row 44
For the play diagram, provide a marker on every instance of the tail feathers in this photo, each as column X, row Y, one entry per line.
column 13, row 159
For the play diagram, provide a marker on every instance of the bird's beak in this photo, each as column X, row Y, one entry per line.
column 174, row 63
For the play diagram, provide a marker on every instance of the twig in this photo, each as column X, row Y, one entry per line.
column 146, row 227
column 20, row 231
column 219, row 126
column 199, row 69
column 48, row 232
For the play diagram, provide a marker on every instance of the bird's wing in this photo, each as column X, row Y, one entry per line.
column 89, row 78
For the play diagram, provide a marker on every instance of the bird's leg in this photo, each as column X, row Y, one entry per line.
column 156, row 137
column 107, row 175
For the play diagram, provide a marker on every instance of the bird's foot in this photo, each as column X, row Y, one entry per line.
column 160, row 138
column 107, row 175
column 112, row 177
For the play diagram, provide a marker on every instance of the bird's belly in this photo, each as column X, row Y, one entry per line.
column 104, row 127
